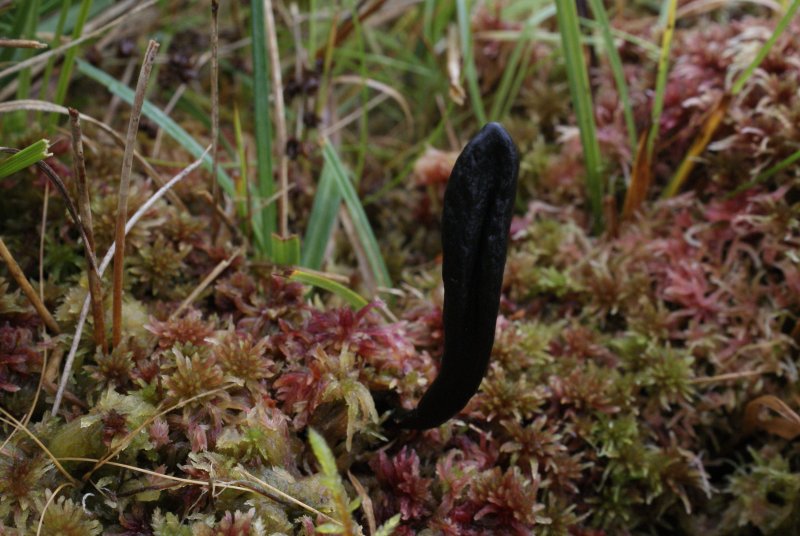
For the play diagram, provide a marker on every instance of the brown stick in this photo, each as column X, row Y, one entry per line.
column 124, row 186
column 21, row 43
column 16, row 272
column 84, row 206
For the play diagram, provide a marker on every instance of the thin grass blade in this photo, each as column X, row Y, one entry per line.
column 580, row 92
column 470, row 72
column 352, row 298
column 615, row 62
column 322, row 220
column 356, row 210
column 265, row 215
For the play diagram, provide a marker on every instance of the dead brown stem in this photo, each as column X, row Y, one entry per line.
column 16, row 272
column 21, row 43
column 84, row 206
column 124, row 185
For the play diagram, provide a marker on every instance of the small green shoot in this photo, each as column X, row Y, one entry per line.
column 333, row 482
column 352, row 298
column 26, row 157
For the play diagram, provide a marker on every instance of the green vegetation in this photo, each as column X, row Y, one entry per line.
column 281, row 296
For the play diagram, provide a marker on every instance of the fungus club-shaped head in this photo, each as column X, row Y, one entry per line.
column 476, row 218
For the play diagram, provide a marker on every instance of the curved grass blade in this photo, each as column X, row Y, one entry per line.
column 353, row 299
column 356, row 210
column 26, row 157
column 322, row 220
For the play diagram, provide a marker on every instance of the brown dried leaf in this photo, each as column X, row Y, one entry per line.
column 786, row 426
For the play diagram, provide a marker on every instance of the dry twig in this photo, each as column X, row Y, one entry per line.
column 124, row 185
column 84, row 206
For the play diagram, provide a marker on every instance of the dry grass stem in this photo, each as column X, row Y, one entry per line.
column 219, row 212
column 188, row 481
column 124, row 186
column 366, row 502
column 212, row 275
column 280, row 118
column 47, row 505
column 16, row 272
column 125, row 441
column 14, row 423
column 729, row 376
column 104, row 264
column 22, row 43
column 173, row 101
column 284, row 495
column 84, row 206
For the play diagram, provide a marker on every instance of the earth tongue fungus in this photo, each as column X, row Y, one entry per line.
column 476, row 217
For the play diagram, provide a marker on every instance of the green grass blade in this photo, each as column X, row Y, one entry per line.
column 55, row 43
column 286, row 251
column 517, row 65
column 156, row 115
column 195, row 106
column 69, row 57
column 24, row 78
column 241, row 155
column 356, row 210
column 767, row 174
column 766, row 47
column 503, row 94
column 616, row 68
column 322, row 220
column 352, row 298
column 26, row 157
column 265, row 218
column 470, row 72
column 661, row 77
column 581, row 95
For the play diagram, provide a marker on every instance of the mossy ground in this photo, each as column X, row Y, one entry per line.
column 632, row 368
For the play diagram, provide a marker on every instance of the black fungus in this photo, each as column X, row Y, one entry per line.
column 478, row 204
